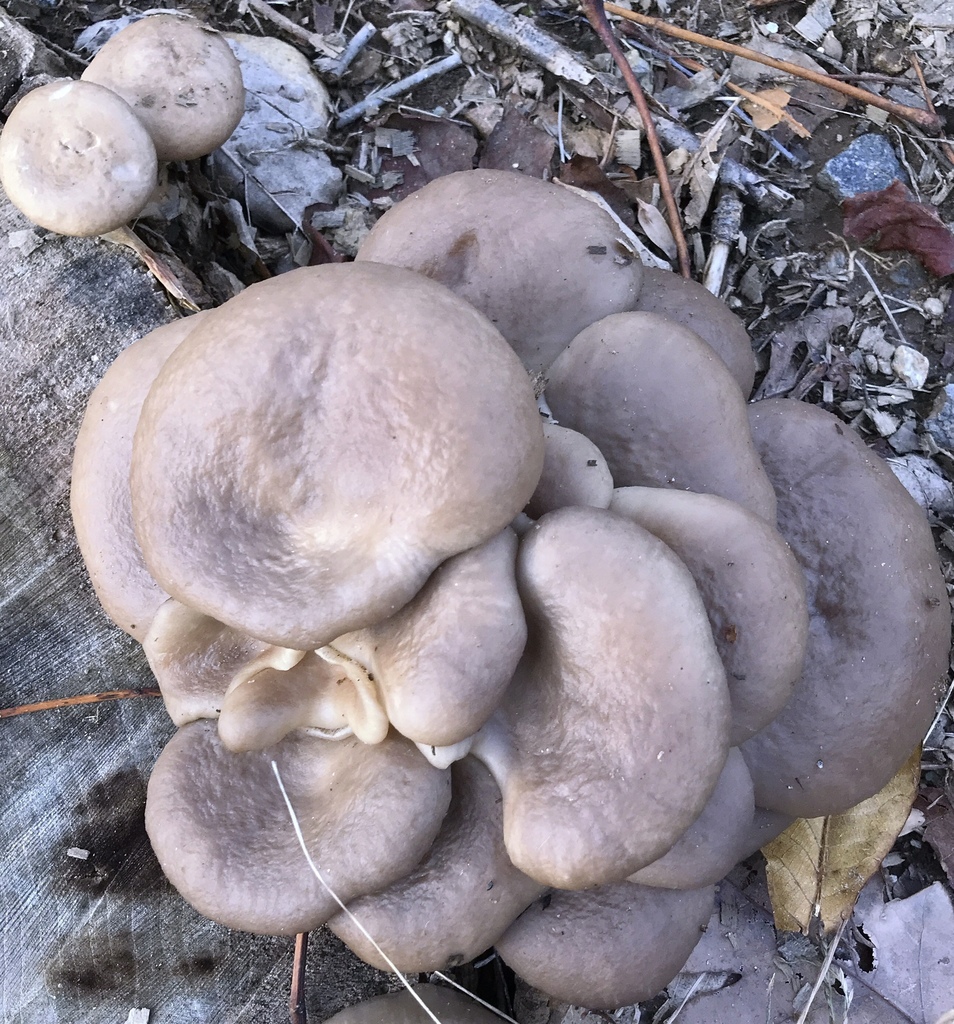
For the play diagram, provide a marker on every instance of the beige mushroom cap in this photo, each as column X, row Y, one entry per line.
column 402, row 1008
column 99, row 489
column 574, row 473
column 75, row 159
column 322, row 443
column 223, row 836
column 609, row 946
column 662, row 407
column 615, row 729
column 181, row 80
column 538, row 260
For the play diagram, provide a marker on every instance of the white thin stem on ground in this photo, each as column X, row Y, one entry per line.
column 476, row 999
column 371, row 102
column 823, row 971
column 358, row 42
column 882, row 300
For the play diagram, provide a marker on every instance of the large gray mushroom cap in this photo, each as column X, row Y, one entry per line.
column 402, row 1008
column 179, row 77
column 75, row 159
column 322, row 443
column 538, row 260
column 880, row 629
column 223, row 835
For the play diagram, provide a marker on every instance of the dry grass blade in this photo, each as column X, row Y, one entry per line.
column 925, row 119
column 83, row 698
column 297, row 1013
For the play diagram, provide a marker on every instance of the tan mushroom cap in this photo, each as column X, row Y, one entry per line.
column 442, row 663
column 751, row 585
column 574, row 473
column 695, row 307
column 322, row 443
column 880, row 629
column 615, row 729
column 538, row 260
column 458, row 901
column 708, row 850
column 402, row 1008
column 179, row 77
column 224, row 838
column 75, row 159
column 662, row 407
column 99, row 489
column 607, row 947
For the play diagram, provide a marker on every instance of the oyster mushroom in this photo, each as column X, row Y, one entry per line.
column 539, row 261
column 619, row 689
column 337, row 432
column 75, row 159
column 403, row 1008
column 574, row 473
column 181, row 80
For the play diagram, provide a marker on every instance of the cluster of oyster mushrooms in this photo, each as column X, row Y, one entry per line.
column 531, row 679
column 81, row 157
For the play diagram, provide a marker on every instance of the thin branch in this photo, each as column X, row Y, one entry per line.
column 926, row 92
column 83, row 698
column 925, row 119
column 297, row 1012
column 596, row 15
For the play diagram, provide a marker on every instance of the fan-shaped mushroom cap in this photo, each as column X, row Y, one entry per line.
column 458, row 901
column 442, row 662
column 765, row 826
column 402, row 1008
column 708, row 850
column 322, row 443
column 607, row 947
column 181, row 80
column 662, row 407
column 224, row 838
column 574, row 473
column 99, row 488
column 614, row 731
column 880, row 629
column 695, row 307
column 75, row 159
column 751, row 585
column 539, row 261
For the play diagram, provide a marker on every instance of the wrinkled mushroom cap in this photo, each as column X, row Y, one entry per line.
column 99, row 487
column 606, row 947
column 538, row 260
column 322, row 443
column 181, row 80
column 224, row 838
column 75, row 159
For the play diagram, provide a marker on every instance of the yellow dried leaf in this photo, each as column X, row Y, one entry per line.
column 817, row 866
column 766, row 106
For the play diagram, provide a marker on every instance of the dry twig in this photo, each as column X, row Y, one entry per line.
column 925, row 119
column 297, row 1012
column 595, row 12
column 83, row 698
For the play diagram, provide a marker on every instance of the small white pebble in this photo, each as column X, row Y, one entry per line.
column 933, row 307
column 138, row 1016
column 78, row 853
column 910, row 366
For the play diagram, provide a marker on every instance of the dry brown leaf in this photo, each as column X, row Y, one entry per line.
column 655, row 228
column 767, row 108
column 817, row 867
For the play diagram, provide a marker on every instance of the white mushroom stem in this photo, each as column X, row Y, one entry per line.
column 444, row 757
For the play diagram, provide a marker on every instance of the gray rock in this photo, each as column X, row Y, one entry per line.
column 867, row 165
column 940, row 424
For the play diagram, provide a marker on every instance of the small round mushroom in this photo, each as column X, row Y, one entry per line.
column 75, row 159
column 339, row 431
column 606, row 947
column 695, row 307
column 662, row 407
column 613, row 733
column 224, row 837
column 574, row 473
column 448, row 1006
column 179, row 77
column 880, row 629
column 458, row 901
column 539, row 261
column 99, row 488
column 751, row 585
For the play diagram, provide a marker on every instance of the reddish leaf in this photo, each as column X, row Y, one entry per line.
column 899, row 221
